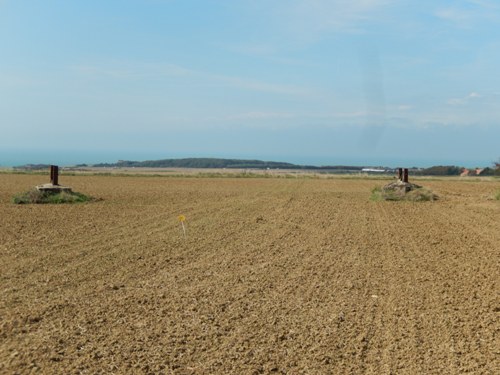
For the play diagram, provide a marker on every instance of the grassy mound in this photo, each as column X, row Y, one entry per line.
column 497, row 196
column 416, row 195
column 35, row 196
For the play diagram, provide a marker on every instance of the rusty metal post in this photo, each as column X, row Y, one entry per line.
column 54, row 175
column 405, row 176
column 400, row 174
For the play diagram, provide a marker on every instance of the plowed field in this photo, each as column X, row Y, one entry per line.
column 291, row 276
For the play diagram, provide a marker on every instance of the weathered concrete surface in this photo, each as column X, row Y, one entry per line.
column 53, row 188
column 399, row 187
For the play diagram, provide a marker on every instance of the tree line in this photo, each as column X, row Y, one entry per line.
column 217, row 163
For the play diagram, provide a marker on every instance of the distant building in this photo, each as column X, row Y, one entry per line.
column 471, row 172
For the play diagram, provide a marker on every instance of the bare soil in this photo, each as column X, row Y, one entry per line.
column 290, row 276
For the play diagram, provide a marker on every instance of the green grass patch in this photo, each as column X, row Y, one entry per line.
column 497, row 195
column 35, row 196
column 379, row 194
column 376, row 195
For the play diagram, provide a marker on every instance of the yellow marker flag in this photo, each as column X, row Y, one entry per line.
column 182, row 219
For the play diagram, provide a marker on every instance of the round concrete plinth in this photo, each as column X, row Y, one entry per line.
column 49, row 188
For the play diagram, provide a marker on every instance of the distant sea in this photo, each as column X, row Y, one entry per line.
column 69, row 158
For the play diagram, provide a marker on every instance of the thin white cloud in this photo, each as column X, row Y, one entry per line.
column 454, row 15
column 282, row 120
column 486, row 4
column 404, row 107
column 334, row 15
column 269, row 53
column 19, row 81
column 147, row 71
column 464, row 100
column 261, row 116
column 456, row 101
column 302, row 116
column 256, row 85
column 304, row 21
column 130, row 71
column 261, row 49
column 469, row 13
column 347, row 115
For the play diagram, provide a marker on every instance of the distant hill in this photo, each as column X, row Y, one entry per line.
column 33, row 167
column 198, row 163
column 218, row 163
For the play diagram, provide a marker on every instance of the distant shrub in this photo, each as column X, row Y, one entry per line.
column 487, row 172
column 441, row 170
column 35, row 196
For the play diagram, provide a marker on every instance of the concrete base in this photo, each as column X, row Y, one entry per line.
column 400, row 187
column 49, row 188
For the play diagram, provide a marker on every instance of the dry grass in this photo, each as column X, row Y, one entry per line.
column 417, row 195
column 35, row 196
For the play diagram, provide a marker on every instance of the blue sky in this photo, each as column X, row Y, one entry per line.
column 373, row 82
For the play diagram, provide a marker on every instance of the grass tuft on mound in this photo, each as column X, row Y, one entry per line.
column 35, row 196
column 416, row 195
column 421, row 195
column 497, row 196
column 376, row 194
